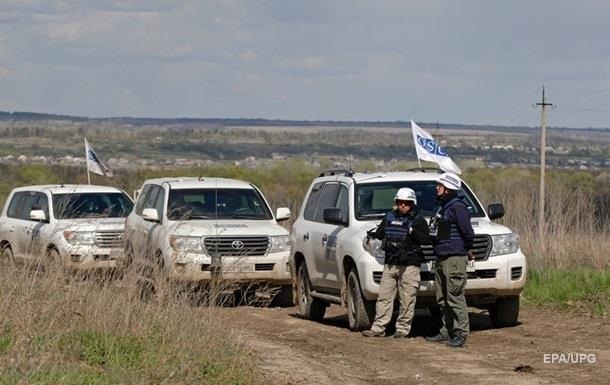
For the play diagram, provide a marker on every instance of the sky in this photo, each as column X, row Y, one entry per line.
column 453, row 61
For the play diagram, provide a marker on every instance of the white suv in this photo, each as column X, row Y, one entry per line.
column 332, row 262
column 190, row 227
column 79, row 226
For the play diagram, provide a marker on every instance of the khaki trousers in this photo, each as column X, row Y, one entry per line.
column 405, row 280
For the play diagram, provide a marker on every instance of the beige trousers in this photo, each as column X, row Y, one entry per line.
column 405, row 280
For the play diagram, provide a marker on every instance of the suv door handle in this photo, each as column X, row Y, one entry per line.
column 11, row 229
column 306, row 236
column 324, row 239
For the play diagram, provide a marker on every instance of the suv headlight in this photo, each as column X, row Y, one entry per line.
column 373, row 247
column 186, row 243
column 80, row 237
column 279, row 243
column 504, row 244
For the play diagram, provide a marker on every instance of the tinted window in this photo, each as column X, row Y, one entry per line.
column 142, row 199
column 373, row 200
column 33, row 201
column 14, row 205
column 91, row 205
column 327, row 199
column 216, row 203
column 312, row 201
column 343, row 202
column 160, row 202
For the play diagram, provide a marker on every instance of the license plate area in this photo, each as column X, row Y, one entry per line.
column 237, row 267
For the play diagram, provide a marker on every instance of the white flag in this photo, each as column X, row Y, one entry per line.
column 94, row 164
column 429, row 150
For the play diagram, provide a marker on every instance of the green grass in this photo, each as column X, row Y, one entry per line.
column 578, row 289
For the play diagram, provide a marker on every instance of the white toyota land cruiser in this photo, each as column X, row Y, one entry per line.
column 189, row 228
column 79, row 226
column 331, row 261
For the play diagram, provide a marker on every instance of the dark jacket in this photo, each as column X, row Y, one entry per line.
column 404, row 251
column 450, row 228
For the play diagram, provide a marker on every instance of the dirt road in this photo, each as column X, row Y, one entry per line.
column 292, row 350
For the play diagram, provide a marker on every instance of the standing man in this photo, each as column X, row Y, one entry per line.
column 452, row 238
column 402, row 231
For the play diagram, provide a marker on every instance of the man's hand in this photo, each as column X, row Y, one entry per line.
column 470, row 255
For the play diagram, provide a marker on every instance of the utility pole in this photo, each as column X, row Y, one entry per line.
column 544, row 104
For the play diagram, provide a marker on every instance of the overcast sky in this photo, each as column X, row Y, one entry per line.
column 458, row 61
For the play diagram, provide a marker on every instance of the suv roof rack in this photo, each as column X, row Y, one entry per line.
column 426, row 169
column 337, row 171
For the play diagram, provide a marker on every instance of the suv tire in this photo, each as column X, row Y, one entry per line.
column 7, row 256
column 360, row 312
column 505, row 312
column 309, row 307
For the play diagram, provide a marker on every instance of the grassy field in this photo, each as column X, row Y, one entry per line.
column 92, row 332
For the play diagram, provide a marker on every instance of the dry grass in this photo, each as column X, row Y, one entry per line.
column 92, row 331
column 576, row 228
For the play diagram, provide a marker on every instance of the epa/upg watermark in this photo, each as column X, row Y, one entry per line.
column 569, row 358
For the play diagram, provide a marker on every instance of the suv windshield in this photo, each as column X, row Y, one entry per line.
column 91, row 205
column 185, row 204
column 373, row 200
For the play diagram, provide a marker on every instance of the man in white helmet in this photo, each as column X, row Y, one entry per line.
column 402, row 231
column 452, row 238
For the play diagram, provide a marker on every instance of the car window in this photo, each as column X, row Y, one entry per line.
column 142, row 199
column 13, row 207
column 227, row 203
column 343, row 203
column 151, row 198
column 160, row 201
column 312, row 201
column 373, row 200
column 327, row 199
column 91, row 205
column 33, row 201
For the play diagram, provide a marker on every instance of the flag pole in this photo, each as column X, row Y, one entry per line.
column 87, row 162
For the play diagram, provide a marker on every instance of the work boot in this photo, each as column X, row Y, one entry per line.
column 400, row 334
column 372, row 333
column 458, row 340
column 437, row 338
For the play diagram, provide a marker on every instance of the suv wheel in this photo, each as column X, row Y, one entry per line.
column 505, row 312
column 360, row 312
column 309, row 307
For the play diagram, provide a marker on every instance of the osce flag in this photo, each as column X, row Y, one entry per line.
column 94, row 164
column 428, row 150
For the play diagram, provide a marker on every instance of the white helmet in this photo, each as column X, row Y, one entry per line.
column 450, row 181
column 405, row 194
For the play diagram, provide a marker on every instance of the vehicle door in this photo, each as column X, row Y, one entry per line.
column 149, row 229
column 12, row 221
column 302, row 228
column 324, row 236
column 32, row 235
column 134, row 223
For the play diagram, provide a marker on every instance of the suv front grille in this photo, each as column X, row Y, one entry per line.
column 109, row 239
column 480, row 248
column 236, row 246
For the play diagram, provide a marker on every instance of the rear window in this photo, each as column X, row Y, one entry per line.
column 91, row 205
column 373, row 200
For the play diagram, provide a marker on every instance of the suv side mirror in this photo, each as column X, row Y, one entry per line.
column 495, row 211
column 334, row 215
column 38, row 215
column 150, row 214
column 282, row 214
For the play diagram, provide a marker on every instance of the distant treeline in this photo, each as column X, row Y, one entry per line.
column 260, row 122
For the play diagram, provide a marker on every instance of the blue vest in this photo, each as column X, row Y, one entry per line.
column 397, row 228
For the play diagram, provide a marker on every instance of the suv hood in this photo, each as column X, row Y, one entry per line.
column 198, row 228
column 479, row 225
